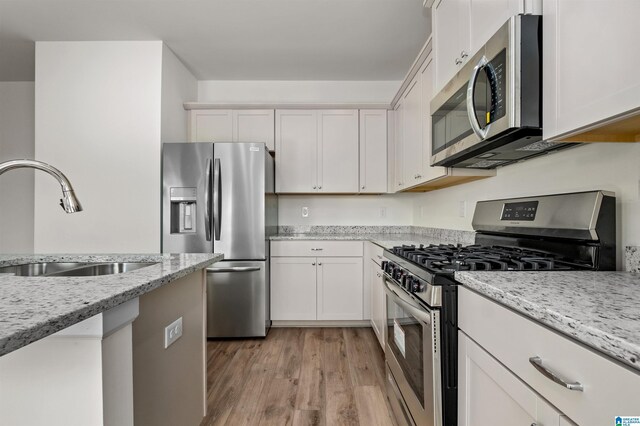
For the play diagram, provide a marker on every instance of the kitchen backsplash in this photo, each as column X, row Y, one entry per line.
column 464, row 237
column 632, row 259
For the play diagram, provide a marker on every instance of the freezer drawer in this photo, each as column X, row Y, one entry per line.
column 238, row 299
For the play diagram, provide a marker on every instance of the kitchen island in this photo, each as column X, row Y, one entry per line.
column 87, row 349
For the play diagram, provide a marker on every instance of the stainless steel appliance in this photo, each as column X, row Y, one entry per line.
column 553, row 233
column 220, row 197
column 490, row 113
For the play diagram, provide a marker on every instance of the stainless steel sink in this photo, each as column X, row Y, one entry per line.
column 71, row 269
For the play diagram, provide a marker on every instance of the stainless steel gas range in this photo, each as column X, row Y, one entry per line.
column 575, row 231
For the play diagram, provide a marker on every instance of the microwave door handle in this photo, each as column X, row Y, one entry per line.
column 471, row 108
column 216, row 199
column 207, row 201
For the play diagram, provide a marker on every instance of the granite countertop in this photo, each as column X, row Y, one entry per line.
column 34, row 307
column 599, row 309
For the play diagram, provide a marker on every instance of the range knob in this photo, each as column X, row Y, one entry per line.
column 415, row 286
column 383, row 266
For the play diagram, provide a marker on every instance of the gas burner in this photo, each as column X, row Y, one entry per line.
column 451, row 258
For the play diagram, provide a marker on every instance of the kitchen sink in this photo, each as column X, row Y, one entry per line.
column 72, row 269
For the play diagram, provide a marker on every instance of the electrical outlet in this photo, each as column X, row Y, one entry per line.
column 305, row 212
column 383, row 212
column 172, row 332
column 462, row 209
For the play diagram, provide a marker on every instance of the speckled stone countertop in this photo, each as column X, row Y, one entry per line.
column 34, row 307
column 599, row 309
column 384, row 236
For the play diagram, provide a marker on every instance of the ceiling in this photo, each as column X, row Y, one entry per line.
column 231, row 39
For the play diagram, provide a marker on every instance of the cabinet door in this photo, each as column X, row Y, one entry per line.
column 398, row 169
column 448, row 23
column 589, row 75
column 373, row 151
column 254, row 125
column 488, row 393
column 339, row 291
column 213, row 125
column 296, row 143
column 338, row 151
column 412, row 133
column 426, row 80
column 378, row 311
column 293, row 288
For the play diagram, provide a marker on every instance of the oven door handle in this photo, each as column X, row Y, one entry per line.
column 471, row 106
column 421, row 313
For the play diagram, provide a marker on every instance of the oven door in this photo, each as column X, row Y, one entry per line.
column 412, row 354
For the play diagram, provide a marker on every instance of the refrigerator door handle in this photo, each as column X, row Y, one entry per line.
column 207, row 201
column 217, row 199
column 234, row 269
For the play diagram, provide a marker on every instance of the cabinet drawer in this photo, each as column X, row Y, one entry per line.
column 317, row 248
column 609, row 389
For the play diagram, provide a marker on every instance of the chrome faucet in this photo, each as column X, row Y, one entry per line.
column 68, row 202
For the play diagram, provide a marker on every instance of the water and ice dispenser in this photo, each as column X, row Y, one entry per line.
column 183, row 210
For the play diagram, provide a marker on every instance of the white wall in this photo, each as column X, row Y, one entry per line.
column 98, row 116
column 607, row 166
column 16, row 187
column 178, row 86
column 346, row 210
column 228, row 91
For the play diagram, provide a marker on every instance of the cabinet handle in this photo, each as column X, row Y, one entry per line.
column 463, row 54
column 458, row 61
column 362, row 186
column 319, row 264
column 319, row 187
column 536, row 361
column 316, row 249
column 313, row 264
column 378, row 256
column 314, row 187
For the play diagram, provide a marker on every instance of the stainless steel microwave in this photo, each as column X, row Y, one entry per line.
column 490, row 113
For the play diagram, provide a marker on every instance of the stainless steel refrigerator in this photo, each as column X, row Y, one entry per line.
column 220, row 197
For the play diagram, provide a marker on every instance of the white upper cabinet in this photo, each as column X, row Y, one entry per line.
column 296, row 150
column 450, row 37
column 590, row 69
column 412, row 133
column 462, row 27
column 226, row 125
column 317, row 151
column 373, row 151
column 214, row 125
column 398, row 168
column 254, row 125
column 338, row 151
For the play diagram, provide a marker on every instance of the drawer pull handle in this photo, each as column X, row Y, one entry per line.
column 536, row 361
column 316, row 249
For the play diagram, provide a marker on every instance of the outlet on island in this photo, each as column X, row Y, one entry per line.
column 172, row 332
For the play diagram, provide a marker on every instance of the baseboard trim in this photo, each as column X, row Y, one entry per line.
column 319, row 323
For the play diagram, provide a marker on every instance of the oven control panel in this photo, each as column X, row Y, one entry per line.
column 522, row 210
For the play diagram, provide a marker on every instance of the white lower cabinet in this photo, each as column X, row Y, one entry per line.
column 378, row 311
column 293, row 288
column 327, row 286
column 513, row 342
column 489, row 394
column 339, row 288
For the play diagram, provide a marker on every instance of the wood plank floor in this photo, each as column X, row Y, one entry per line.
column 298, row 376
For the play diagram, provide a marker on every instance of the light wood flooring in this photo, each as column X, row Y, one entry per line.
column 298, row 376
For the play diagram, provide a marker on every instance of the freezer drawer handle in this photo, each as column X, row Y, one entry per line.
column 536, row 361
column 234, row 269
